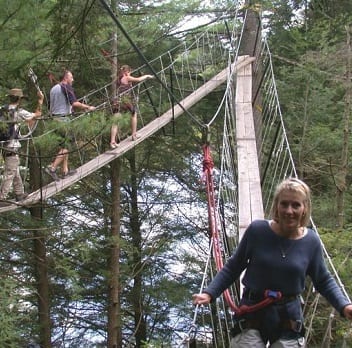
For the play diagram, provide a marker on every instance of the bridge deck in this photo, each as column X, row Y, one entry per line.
column 98, row 162
column 250, row 195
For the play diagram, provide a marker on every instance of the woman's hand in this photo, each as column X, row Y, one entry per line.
column 201, row 299
column 347, row 312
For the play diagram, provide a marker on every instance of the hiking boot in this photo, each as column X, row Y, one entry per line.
column 21, row 197
column 69, row 173
column 4, row 204
column 52, row 173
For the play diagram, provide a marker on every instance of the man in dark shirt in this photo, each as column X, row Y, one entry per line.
column 63, row 101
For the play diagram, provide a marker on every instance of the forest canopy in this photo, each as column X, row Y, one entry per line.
column 117, row 256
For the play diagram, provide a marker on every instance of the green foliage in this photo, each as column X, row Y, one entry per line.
column 160, row 179
column 311, row 67
column 70, row 34
column 89, row 125
column 17, row 48
column 12, row 313
column 340, row 250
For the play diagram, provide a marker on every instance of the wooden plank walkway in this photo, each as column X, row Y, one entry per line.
column 100, row 161
column 249, row 189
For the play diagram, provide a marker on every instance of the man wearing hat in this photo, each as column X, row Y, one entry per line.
column 11, row 146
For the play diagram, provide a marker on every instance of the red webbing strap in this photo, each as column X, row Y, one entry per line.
column 269, row 296
column 208, row 166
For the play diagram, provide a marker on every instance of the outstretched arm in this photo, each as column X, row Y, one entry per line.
column 78, row 105
column 201, row 299
column 38, row 110
column 139, row 79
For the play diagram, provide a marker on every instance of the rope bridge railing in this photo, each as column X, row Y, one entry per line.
column 276, row 163
column 206, row 328
column 182, row 69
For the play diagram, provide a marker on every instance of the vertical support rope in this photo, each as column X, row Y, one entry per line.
column 269, row 296
column 208, row 166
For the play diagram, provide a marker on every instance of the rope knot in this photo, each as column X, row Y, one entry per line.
column 208, row 163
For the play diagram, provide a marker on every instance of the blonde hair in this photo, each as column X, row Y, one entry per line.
column 295, row 185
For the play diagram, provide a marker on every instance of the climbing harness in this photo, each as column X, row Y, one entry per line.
column 269, row 296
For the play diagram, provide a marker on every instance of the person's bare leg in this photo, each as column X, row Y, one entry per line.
column 61, row 158
column 64, row 167
column 113, row 134
column 134, row 126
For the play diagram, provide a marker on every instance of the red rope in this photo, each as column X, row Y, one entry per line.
column 208, row 166
column 269, row 296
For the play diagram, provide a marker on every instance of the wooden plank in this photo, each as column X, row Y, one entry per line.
column 243, row 205
column 256, row 204
column 256, row 208
column 244, row 88
column 240, row 121
column 126, row 145
column 249, row 124
column 249, row 190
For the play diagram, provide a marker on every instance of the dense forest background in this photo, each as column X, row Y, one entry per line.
column 113, row 261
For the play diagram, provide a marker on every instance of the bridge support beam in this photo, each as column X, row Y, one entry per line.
column 249, row 189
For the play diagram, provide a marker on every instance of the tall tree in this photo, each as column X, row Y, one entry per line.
column 342, row 179
column 114, row 329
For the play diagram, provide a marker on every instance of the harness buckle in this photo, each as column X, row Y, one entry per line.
column 293, row 325
column 297, row 325
column 240, row 326
column 277, row 295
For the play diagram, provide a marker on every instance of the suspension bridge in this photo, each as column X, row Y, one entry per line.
column 255, row 152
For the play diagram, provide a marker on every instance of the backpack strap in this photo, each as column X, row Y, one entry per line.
column 8, row 129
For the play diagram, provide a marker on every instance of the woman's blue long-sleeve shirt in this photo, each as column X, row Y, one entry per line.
column 260, row 254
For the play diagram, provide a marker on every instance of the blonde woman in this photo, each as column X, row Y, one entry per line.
column 277, row 255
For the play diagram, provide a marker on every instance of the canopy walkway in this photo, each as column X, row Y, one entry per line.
column 54, row 187
column 255, row 156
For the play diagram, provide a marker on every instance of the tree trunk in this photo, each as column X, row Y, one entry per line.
column 305, row 124
column 137, row 298
column 341, row 179
column 40, row 262
column 114, row 310
column 114, row 329
column 42, row 288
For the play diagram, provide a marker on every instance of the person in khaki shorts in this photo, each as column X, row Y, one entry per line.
column 11, row 146
column 277, row 255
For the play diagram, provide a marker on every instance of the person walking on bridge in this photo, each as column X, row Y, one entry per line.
column 63, row 102
column 11, row 145
column 125, row 102
column 277, row 255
